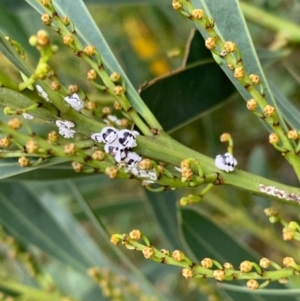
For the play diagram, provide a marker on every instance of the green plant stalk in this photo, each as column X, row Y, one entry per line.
column 276, row 125
column 160, row 257
column 148, row 116
column 289, row 30
column 28, row 292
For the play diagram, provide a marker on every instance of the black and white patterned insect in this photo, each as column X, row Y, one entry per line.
column 75, row 102
column 119, row 143
column 65, row 128
column 226, row 162
column 107, row 135
column 127, row 138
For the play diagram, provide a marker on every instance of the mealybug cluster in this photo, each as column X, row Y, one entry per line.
column 225, row 162
column 119, row 143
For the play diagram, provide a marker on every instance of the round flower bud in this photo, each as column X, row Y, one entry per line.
column 264, row 263
column 53, row 137
column 31, row 146
column 186, row 174
column 73, row 89
column 5, row 142
column 269, row 111
column 124, row 122
column 42, row 38
column 115, row 77
column 252, row 284
column 111, row 172
column 46, row 19
column 178, row 255
column 252, row 104
column 176, row 4
column 293, row 135
column 219, row 275
column 98, row 155
column 184, row 201
column 23, row 161
column 145, row 164
column 119, row 90
column 92, row 75
column 65, row 20
column 114, row 240
column 197, row 14
column 33, row 40
column 68, row 39
column 270, row 211
column 94, row 272
column 165, row 252
column 187, row 273
column 254, row 78
column 90, row 50
column 239, row 73
column 106, row 110
column 55, row 86
column 230, row 46
column 148, row 252
column 206, row 263
column 210, row 43
column 77, row 166
column 185, row 163
column 288, row 261
column 245, row 266
column 14, row 123
column 135, row 234
column 288, row 235
column 91, row 105
column 273, row 138
column 228, row 265
column 117, row 105
column 225, row 137
column 292, row 226
column 70, row 149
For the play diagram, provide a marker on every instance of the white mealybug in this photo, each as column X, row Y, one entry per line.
column 74, row 101
column 108, row 135
column 65, row 123
column 127, row 138
column 64, row 128
column 28, row 116
column 225, row 162
column 42, row 93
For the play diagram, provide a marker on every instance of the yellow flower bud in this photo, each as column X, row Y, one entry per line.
column 293, row 135
column 90, row 50
column 98, row 155
column 187, row 273
column 111, row 172
column 135, row 234
column 46, row 19
column 252, row 284
column 14, row 123
column 77, row 166
column 114, row 240
column 5, row 142
column 70, row 149
column 197, row 14
column 264, row 263
column 219, row 275
column 115, row 77
column 148, row 252
column 245, row 266
column 73, row 89
column 210, row 43
column 43, row 38
column 206, row 263
column 178, row 255
column 229, row 46
column 254, row 78
column 252, row 104
column 269, row 111
column 23, row 161
column 53, row 136
column 176, row 4
column 68, row 39
column 288, row 261
column 92, row 75
column 273, row 138
column 31, row 146
column 145, row 164
column 239, row 73
column 119, row 90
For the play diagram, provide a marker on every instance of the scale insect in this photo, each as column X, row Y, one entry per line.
column 226, row 162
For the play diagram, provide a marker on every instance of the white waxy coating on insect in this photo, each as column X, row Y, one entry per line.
column 64, row 128
column 28, row 116
column 225, row 162
column 42, row 93
column 74, row 101
column 65, row 123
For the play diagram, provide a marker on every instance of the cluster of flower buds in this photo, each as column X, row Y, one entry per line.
column 119, row 143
